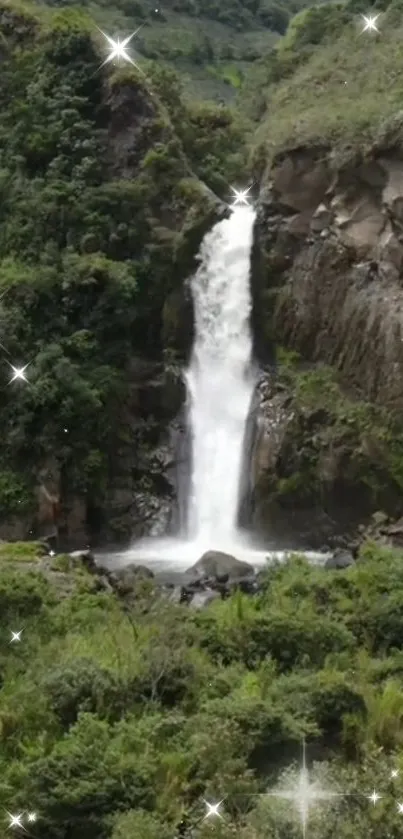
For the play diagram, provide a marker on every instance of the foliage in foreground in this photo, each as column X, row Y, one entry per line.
column 117, row 722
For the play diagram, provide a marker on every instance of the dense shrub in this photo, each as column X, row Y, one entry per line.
column 148, row 711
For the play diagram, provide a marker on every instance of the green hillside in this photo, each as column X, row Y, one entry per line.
column 211, row 43
column 327, row 80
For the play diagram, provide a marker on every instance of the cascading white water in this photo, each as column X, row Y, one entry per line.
column 220, row 382
column 220, row 378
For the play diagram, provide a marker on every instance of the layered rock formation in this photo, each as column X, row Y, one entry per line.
column 333, row 240
column 330, row 240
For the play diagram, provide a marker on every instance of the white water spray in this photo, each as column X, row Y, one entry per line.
column 220, row 378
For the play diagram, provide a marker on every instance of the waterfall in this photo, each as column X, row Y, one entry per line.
column 220, row 385
column 220, row 378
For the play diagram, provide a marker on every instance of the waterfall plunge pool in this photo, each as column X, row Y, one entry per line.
column 171, row 555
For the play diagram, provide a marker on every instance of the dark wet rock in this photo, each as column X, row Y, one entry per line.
column 340, row 559
column 215, row 575
column 336, row 301
column 215, row 564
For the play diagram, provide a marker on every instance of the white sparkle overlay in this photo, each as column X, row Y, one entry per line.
column 374, row 797
column 370, row 23
column 18, row 373
column 118, row 49
column 213, row 809
column 240, row 197
column 15, row 636
column 17, row 821
column 305, row 795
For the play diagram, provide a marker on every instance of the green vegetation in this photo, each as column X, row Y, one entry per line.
column 196, row 38
column 115, row 721
column 118, row 717
column 336, row 439
column 327, row 82
column 95, row 237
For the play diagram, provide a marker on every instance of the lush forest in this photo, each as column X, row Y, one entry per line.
column 94, row 239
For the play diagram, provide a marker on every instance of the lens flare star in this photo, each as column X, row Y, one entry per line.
column 19, row 373
column 305, row 795
column 370, row 23
column 240, row 197
column 213, row 809
column 118, row 49
column 15, row 636
column 374, row 797
column 16, row 821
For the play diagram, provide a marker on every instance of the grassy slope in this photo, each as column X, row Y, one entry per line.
column 117, row 722
column 341, row 93
column 210, row 53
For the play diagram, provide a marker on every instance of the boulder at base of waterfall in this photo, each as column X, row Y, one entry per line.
column 340, row 559
column 219, row 566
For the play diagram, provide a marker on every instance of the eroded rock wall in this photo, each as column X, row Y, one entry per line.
column 333, row 255
column 330, row 243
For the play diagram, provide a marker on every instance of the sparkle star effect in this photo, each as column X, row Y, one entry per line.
column 15, row 636
column 374, row 797
column 19, row 373
column 305, row 794
column 16, row 821
column 394, row 773
column 240, row 197
column 400, row 809
column 370, row 23
column 213, row 809
column 118, row 49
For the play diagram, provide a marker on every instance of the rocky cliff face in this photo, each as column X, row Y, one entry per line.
column 330, row 235
column 333, row 240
